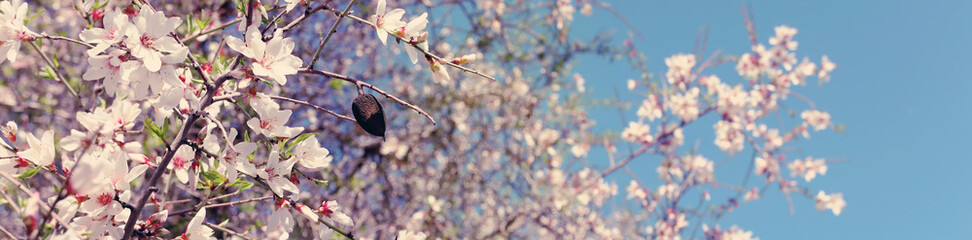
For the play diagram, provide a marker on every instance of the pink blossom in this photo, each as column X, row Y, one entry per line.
column 817, row 119
column 637, row 132
column 784, row 37
column 385, row 22
column 650, row 108
column 150, row 38
column 808, row 168
column 680, row 70
column 835, row 202
column 272, row 59
column 685, row 106
column 116, row 27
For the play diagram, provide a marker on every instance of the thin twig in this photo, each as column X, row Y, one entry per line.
column 72, row 40
column 317, row 53
column 426, row 52
column 60, row 78
column 620, row 17
column 301, row 18
column 210, row 200
column 9, row 235
column 207, row 80
column 336, row 229
column 229, row 142
column 804, row 98
column 359, row 84
column 226, row 204
column 26, row 190
column 190, row 38
column 225, row 230
column 315, row 107
column 630, row 157
column 271, row 23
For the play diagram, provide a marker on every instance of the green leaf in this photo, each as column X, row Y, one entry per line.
column 29, row 173
column 30, row 19
column 153, row 129
column 205, row 21
column 100, row 4
column 46, row 72
column 190, row 24
column 213, row 177
column 165, row 127
column 242, row 184
column 297, row 140
column 336, row 84
column 321, row 182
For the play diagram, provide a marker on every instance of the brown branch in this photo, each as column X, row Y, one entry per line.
column 178, row 141
column 360, row 84
column 150, row 186
column 315, row 107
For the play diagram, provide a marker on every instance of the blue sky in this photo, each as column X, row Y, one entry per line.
column 901, row 87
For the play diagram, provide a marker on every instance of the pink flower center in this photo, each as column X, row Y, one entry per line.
column 179, row 162
column 264, row 124
column 147, row 41
column 104, row 199
column 231, row 156
column 325, row 210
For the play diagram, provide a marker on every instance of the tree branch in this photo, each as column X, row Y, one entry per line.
column 315, row 107
column 179, row 140
column 71, row 40
column 360, row 83
column 317, row 53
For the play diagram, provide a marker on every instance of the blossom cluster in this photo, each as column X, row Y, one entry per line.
column 770, row 74
column 144, row 67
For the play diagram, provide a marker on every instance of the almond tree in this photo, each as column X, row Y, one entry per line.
column 296, row 119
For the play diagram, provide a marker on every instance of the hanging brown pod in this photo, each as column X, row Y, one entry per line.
column 369, row 115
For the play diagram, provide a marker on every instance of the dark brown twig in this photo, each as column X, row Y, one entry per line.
column 359, row 83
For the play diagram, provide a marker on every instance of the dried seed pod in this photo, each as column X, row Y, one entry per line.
column 369, row 115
